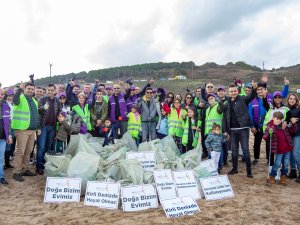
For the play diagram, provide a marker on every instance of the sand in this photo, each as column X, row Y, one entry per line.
column 254, row 203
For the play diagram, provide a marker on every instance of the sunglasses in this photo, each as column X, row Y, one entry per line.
column 62, row 98
column 149, row 92
column 210, row 86
column 277, row 97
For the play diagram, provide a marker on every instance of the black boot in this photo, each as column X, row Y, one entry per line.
column 292, row 174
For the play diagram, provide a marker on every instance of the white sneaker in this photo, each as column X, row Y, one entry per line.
column 31, row 161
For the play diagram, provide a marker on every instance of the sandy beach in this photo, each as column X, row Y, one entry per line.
column 254, row 203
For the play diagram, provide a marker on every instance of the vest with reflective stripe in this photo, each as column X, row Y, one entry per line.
column 212, row 116
column 21, row 116
column 133, row 125
column 175, row 123
column 270, row 113
column 85, row 115
column 185, row 136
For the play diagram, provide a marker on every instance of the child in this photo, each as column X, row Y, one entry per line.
column 281, row 145
column 162, row 127
column 63, row 130
column 214, row 144
column 190, row 130
column 107, row 132
column 134, row 124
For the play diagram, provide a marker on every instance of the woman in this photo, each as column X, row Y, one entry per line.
column 10, row 148
column 98, row 113
column 293, row 105
column 82, row 110
column 62, row 97
column 188, row 102
column 168, row 102
column 175, row 122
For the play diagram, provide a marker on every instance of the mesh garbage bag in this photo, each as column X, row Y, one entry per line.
column 57, row 166
column 132, row 170
column 192, row 158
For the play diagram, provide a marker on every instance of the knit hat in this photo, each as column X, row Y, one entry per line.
column 221, row 88
column 209, row 95
column 277, row 93
column 109, row 88
column 10, row 92
column 63, row 114
column 62, row 94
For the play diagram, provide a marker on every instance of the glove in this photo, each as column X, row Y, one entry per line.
column 46, row 106
column 120, row 118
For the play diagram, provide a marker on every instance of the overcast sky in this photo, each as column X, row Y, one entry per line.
column 82, row 35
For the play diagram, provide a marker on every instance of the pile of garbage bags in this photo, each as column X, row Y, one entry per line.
column 85, row 158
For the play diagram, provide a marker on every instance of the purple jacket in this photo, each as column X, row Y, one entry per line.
column 5, row 112
column 123, row 109
column 258, row 110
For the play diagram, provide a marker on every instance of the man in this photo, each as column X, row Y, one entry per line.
column 87, row 90
column 236, row 123
column 109, row 91
column 61, row 89
column 117, row 111
column 49, row 109
column 25, row 123
column 147, row 105
column 38, row 93
column 72, row 92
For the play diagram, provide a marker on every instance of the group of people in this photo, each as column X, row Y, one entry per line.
column 32, row 116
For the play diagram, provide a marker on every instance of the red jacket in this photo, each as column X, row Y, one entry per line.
column 282, row 141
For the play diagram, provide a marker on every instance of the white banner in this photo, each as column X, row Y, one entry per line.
column 147, row 159
column 102, row 194
column 62, row 190
column 186, row 184
column 165, row 184
column 139, row 197
column 216, row 187
column 177, row 207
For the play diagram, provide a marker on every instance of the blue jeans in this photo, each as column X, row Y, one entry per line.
column 281, row 159
column 44, row 145
column 148, row 131
column 123, row 128
column 240, row 136
column 2, row 151
column 296, row 152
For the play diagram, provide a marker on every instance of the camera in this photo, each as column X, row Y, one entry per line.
column 129, row 81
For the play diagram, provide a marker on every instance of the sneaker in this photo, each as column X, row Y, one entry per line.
column 243, row 160
column 249, row 175
column 31, row 161
column 8, row 166
column 232, row 172
column 255, row 162
column 11, row 158
column 292, row 174
column 297, row 179
column 18, row 177
column 28, row 173
column 3, row 181
column 40, row 172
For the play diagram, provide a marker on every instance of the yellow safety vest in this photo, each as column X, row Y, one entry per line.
column 85, row 115
column 175, row 123
column 185, row 136
column 212, row 116
column 134, row 125
column 270, row 113
column 21, row 116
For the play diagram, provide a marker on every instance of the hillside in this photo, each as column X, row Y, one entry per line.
column 218, row 74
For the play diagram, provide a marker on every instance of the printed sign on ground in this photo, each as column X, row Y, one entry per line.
column 216, row 187
column 186, row 184
column 165, row 184
column 147, row 159
column 62, row 190
column 177, row 207
column 139, row 197
column 102, row 194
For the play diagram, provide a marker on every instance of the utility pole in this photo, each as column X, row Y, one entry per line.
column 50, row 65
column 192, row 71
column 263, row 65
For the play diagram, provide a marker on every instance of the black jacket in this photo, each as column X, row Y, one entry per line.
column 241, row 111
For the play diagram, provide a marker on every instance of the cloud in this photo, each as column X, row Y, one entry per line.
column 201, row 20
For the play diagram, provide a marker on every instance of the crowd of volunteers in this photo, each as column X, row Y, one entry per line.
column 38, row 120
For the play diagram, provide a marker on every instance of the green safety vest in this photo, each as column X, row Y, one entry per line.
column 268, row 116
column 212, row 116
column 196, row 103
column 185, row 136
column 134, row 126
column 21, row 115
column 105, row 98
column 175, row 123
column 85, row 115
